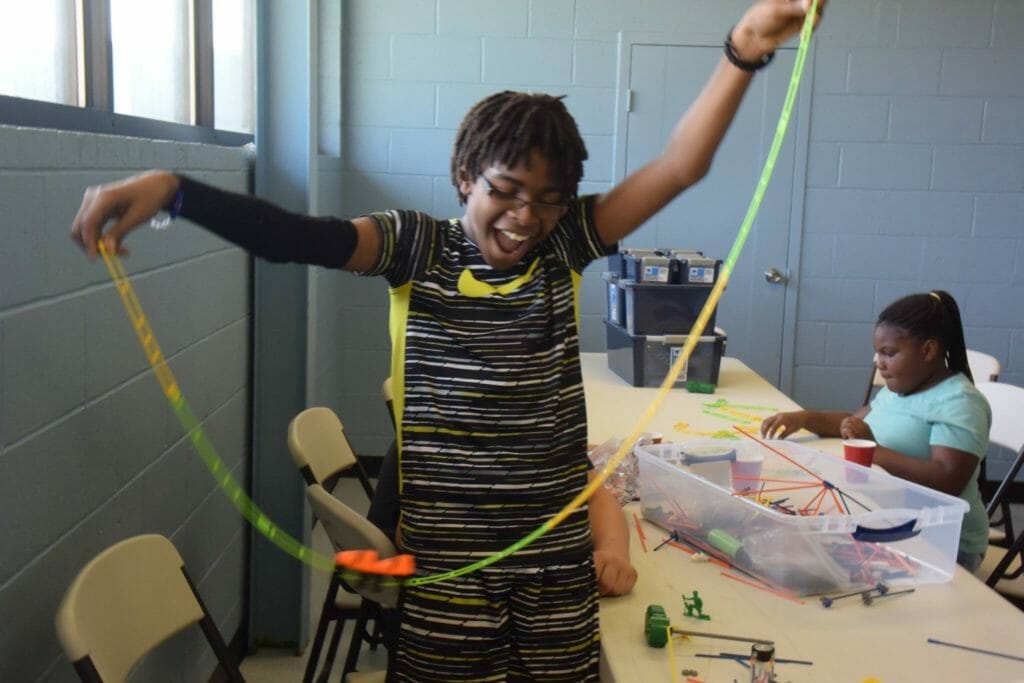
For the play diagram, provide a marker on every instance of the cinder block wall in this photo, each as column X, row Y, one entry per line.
column 915, row 182
column 90, row 452
column 915, row 171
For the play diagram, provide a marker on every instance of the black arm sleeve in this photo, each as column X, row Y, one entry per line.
column 266, row 230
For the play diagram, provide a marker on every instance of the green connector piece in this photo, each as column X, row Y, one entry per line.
column 656, row 625
column 695, row 387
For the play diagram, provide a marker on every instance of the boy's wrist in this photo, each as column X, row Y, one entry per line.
column 741, row 50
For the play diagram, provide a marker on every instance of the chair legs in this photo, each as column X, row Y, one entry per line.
column 332, row 650
column 321, row 631
column 367, row 611
column 333, row 617
column 1000, row 572
column 352, row 659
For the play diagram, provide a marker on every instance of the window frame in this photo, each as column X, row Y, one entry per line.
column 95, row 82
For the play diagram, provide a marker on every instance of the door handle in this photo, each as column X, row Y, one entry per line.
column 775, row 276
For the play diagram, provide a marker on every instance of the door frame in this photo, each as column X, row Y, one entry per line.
column 799, row 129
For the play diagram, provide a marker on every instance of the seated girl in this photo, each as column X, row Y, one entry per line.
column 930, row 423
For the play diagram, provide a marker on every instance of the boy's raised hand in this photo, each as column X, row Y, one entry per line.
column 129, row 203
column 768, row 24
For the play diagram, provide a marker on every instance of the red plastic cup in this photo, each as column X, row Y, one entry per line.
column 860, row 451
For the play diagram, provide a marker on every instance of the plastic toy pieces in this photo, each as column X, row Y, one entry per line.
column 694, row 607
column 657, row 627
column 367, row 573
column 743, row 659
column 975, row 649
column 369, row 562
column 674, row 536
column 827, row 601
column 867, row 596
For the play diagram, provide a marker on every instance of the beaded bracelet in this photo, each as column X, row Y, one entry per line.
column 173, row 208
column 734, row 59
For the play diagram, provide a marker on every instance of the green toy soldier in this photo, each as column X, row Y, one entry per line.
column 694, row 607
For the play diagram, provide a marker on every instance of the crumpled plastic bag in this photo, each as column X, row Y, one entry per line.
column 624, row 480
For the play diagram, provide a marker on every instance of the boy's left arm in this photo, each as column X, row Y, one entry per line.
column 688, row 154
column 615, row 574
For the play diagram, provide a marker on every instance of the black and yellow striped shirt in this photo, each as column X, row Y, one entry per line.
column 488, row 387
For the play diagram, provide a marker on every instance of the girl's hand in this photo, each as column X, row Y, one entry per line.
column 781, row 425
column 855, row 428
column 768, row 24
column 128, row 203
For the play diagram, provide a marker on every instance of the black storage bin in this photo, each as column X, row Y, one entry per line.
column 656, row 268
column 653, row 308
column 644, row 360
column 621, row 262
column 695, row 268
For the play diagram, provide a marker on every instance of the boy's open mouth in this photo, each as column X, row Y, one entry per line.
column 509, row 241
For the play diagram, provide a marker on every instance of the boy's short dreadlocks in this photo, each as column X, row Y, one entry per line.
column 505, row 127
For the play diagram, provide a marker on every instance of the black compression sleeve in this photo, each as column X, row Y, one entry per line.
column 266, row 230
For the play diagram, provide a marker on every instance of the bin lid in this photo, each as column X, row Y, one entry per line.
column 705, row 451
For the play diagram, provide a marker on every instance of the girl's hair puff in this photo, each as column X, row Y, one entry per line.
column 933, row 315
column 505, row 127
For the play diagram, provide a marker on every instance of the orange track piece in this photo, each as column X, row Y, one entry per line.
column 369, row 562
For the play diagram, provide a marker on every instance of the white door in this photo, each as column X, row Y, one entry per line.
column 664, row 80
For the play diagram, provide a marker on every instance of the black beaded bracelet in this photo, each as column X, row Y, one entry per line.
column 734, row 59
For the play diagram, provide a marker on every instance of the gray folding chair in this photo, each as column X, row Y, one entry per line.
column 321, row 451
column 1002, row 568
column 349, row 530
column 125, row 602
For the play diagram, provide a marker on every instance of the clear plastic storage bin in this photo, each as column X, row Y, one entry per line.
column 810, row 522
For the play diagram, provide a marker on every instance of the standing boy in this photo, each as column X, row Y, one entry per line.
column 488, row 389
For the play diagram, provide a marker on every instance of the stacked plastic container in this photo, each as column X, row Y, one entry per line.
column 654, row 297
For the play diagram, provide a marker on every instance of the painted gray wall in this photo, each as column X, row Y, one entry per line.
column 90, row 453
column 348, row 327
column 916, row 180
column 915, row 167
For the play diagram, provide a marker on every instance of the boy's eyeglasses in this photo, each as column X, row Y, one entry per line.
column 546, row 210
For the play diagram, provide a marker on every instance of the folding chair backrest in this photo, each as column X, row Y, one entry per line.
column 320, row 448
column 349, row 530
column 984, row 367
column 1007, row 402
column 123, row 603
